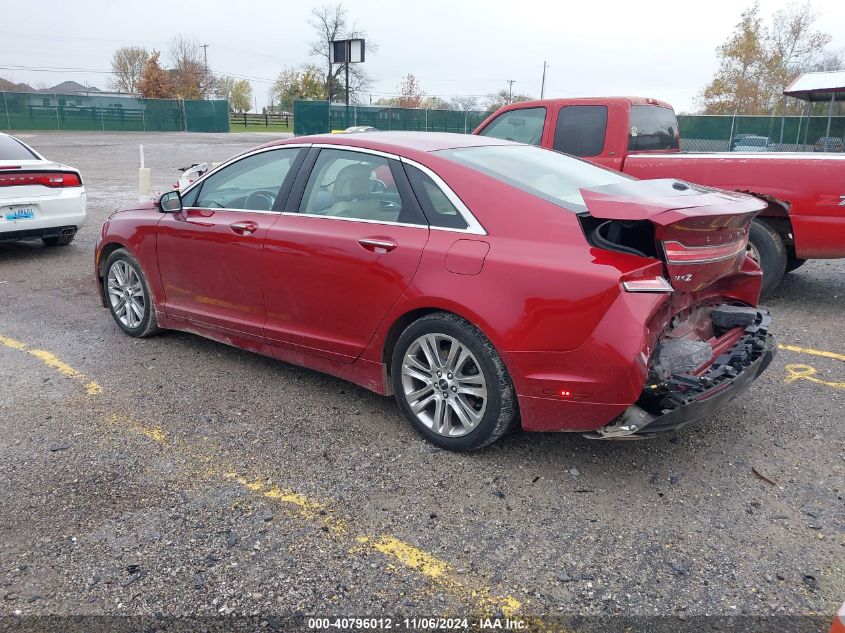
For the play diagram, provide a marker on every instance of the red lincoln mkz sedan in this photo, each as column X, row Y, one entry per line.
column 485, row 283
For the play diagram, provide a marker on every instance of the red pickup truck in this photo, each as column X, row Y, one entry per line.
column 805, row 192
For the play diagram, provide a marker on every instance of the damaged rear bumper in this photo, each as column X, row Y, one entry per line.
column 694, row 397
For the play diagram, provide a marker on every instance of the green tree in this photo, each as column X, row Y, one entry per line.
column 127, row 64
column 298, row 83
column 238, row 92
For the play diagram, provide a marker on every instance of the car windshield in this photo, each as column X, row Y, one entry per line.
column 544, row 173
column 12, row 149
column 754, row 141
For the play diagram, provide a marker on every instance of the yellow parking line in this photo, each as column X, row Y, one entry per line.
column 438, row 572
column 806, row 372
column 52, row 361
column 814, row 352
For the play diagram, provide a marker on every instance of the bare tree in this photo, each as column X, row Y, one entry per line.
column 127, row 64
column 331, row 22
column 502, row 98
column 190, row 76
column 464, row 103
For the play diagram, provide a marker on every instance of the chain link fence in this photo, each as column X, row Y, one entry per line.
column 723, row 133
column 56, row 111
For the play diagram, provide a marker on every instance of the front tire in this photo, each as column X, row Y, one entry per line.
column 769, row 251
column 451, row 383
column 128, row 295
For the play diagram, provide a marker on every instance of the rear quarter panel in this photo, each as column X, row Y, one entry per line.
column 812, row 185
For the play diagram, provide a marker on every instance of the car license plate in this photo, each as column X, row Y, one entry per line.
column 19, row 213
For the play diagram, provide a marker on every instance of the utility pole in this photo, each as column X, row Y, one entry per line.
column 543, row 83
column 510, row 83
column 205, row 61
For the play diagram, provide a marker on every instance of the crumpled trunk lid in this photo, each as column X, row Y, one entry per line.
column 700, row 233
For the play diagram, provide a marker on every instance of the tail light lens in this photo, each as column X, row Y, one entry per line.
column 52, row 179
column 678, row 253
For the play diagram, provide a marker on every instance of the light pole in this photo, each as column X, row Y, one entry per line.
column 510, row 82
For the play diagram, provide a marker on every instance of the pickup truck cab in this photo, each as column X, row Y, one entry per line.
column 804, row 193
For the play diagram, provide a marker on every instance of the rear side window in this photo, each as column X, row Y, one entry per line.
column 12, row 149
column 581, row 130
column 437, row 207
column 523, row 126
column 652, row 128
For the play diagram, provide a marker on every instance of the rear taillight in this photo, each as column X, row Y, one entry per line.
column 52, row 179
column 678, row 253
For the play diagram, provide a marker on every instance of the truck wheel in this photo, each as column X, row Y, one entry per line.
column 768, row 250
column 793, row 262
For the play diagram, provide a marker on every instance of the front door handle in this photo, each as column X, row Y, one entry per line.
column 377, row 245
column 244, row 228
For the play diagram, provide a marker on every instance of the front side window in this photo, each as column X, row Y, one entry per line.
column 523, row 126
column 549, row 175
column 250, row 184
column 581, row 130
column 355, row 185
column 652, row 128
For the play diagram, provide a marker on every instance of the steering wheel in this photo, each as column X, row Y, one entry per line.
column 260, row 201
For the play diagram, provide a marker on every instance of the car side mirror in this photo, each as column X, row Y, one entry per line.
column 170, row 202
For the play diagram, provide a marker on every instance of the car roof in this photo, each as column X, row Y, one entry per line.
column 401, row 143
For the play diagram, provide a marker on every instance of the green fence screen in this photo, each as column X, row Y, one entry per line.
column 699, row 133
column 52, row 111
column 317, row 117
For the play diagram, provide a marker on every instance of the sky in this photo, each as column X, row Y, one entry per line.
column 659, row 49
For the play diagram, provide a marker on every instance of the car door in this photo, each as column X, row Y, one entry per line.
column 209, row 253
column 343, row 252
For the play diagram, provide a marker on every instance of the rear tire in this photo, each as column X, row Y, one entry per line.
column 58, row 240
column 128, row 295
column 769, row 251
column 451, row 383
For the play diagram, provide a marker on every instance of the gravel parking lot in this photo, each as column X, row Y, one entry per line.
column 176, row 475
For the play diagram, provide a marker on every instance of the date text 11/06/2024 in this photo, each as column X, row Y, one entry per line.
column 412, row 624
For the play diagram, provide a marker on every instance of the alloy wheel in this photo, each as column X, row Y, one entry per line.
column 444, row 384
column 126, row 294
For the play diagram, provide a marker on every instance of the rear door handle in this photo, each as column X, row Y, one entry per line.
column 244, row 228
column 377, row 245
